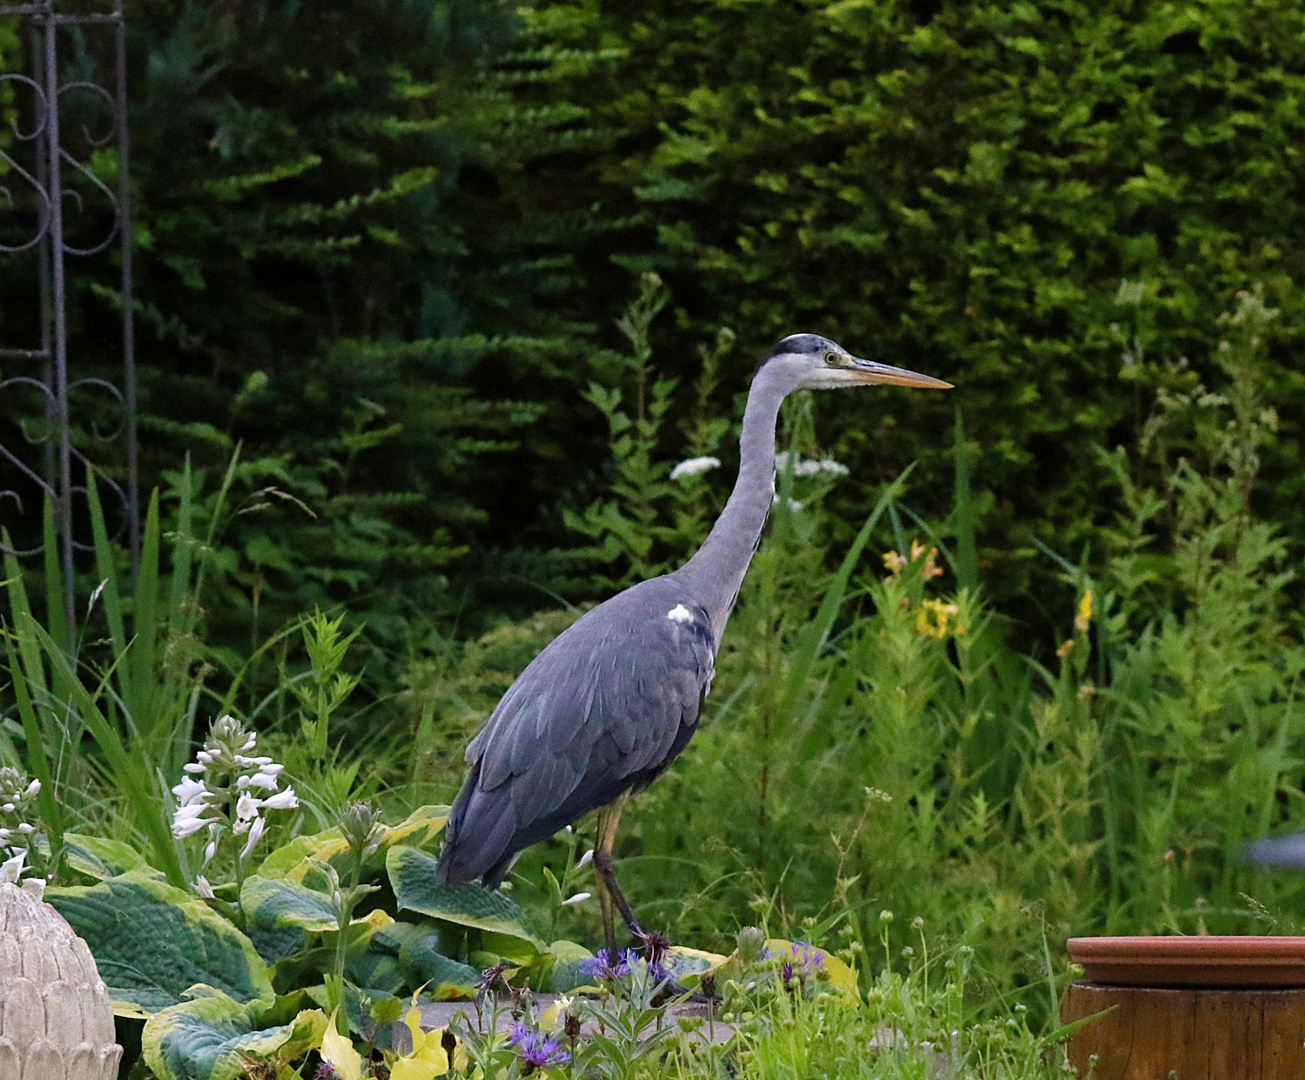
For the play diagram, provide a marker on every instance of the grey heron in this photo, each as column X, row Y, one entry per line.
column 612, row 700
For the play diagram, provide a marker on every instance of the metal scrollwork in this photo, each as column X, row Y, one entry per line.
column 67, row 408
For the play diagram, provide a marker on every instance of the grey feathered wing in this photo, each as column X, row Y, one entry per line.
column 603, row 708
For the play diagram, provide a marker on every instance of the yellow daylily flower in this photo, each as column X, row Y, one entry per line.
column 339, row 1051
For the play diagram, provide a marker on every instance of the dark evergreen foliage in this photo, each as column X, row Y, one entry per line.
column 382, row 245
column 1030, row 200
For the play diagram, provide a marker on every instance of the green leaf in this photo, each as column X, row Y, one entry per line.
column 153, row 942
column 292, row 860
column 210, row 1037
column 129, row 771
column 278, row 902
column 416, row 950
column 421, row 828
column 412, row 876
column 99, row 858
column 567, row 958
column 686, row 966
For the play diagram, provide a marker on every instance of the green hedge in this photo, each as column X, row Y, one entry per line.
column 384, row 245
column 1027, row 199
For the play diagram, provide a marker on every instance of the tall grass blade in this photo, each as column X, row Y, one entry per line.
column 145, row 681
column 131, row 775
column 55, row 615
column 35, row 761
column 107, row 573
column 182, row 553
column 963, row 515
column 18, row 608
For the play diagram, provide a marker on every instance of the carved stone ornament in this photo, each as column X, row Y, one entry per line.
column 55, row 1019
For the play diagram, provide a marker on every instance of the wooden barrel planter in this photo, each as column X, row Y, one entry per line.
column 1192, row 1008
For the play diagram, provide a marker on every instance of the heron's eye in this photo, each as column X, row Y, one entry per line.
column 833, row 359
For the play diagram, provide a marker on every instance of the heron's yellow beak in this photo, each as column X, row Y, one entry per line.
column 867, row 371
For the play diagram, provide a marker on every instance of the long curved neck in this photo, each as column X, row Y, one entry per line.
column 716, row 572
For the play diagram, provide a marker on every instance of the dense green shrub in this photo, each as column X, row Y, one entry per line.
column 1022, row 198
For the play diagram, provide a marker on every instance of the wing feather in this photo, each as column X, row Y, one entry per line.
column 605, row 706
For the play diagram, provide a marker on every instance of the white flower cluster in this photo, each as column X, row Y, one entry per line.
column 223, row 773
column 17, row 795
column 806, row 467
column 695, row 466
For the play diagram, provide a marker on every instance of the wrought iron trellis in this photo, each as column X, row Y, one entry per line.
column 56, row 206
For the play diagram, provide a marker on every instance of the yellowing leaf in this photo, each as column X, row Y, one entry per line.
column 841, row 977
column 339, row 1051
column 428, row 1058
column 408, row 1068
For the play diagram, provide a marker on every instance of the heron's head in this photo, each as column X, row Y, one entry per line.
column 812, row 362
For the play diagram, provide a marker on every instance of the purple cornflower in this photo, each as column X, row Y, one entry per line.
column 800, row 961
column 608, row 968
column 535, row 1048
column 809, row 959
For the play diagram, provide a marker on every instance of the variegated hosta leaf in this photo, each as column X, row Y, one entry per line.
column 97, row 857
column 292, row 860
column 277, row 902
column 567, row 958
column 152, row 942
column 687, row 966
column 412, row 876
column 410, row 957
column 419, row 829
column 213, row 1037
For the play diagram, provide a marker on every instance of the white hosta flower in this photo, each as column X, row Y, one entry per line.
column 695, row 466
column 12, row 869
column 578, row 898
column 282, row 800
column 585, row 859
column 189, row 820
column 247, row 807
column 18, row 804
column 801, row 466
column 255, row 834
column 190, row 791
column 203, row 888
column 223, row 788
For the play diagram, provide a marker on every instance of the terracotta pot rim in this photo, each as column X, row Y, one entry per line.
column 1222, row 960
column 1196, row 949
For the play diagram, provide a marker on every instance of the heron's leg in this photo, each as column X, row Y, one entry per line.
column 608, row 820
